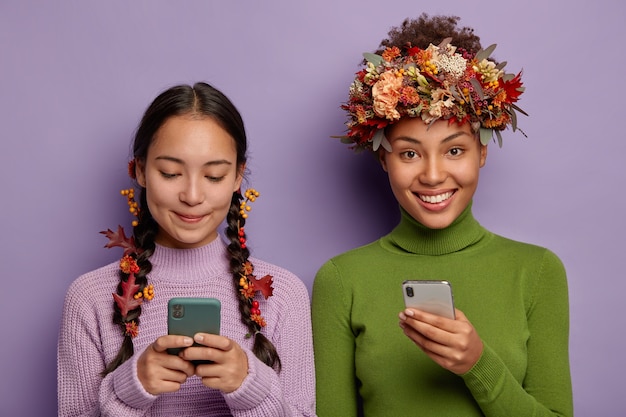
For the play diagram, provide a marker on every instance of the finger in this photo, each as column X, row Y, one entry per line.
column 226, row 377
column 213, row 340
column 158, row 387
column 173, row 375
column 425, row 335
column 460, row 315
column 432, row 319
column 171, row 341
column 159, row 372
column 212, row 381
column 436, row 351
column 200, row 353
column 154, row 360
column 159, row 380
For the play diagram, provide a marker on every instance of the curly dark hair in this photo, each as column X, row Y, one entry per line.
column 427, row 29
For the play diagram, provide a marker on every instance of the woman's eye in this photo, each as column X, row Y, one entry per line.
column 409, row 154
column 214, row 179
column 455, row 151
column 167, row 175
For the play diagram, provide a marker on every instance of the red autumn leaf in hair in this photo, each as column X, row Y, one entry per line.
column 127, row 302
column 119, row 239
column 264, row 285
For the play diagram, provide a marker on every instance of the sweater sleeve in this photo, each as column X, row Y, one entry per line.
column 82, row 391
column 546, row 389
column 290, row 392
column 334, row 345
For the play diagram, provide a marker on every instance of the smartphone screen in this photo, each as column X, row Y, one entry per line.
column 429, row 295
column 187, row 316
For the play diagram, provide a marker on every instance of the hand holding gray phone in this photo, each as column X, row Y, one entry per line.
column 429, row 295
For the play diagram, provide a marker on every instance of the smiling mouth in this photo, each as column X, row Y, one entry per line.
column 434, row 199
column 190, row 219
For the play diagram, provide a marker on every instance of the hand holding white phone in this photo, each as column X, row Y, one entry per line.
column 431, row 296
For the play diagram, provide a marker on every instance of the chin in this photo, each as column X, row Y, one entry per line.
column 433, row 222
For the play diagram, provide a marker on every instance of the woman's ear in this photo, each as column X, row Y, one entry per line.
column 140, row 172
column 483, row 155
column 382, row 154
column 240, row 171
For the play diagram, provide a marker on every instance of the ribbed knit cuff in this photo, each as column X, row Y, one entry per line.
column 486, row 377
column 128, row 388
column 255, row 388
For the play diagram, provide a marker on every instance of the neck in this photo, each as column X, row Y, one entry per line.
column 414, row 237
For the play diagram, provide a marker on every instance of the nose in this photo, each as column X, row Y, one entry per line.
column 192, row 194
column 432, row 171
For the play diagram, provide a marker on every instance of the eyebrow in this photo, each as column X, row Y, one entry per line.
column 417, row 141
column 206, row 164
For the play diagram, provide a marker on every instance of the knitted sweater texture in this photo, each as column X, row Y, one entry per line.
column 88, row 340
column 514, row 294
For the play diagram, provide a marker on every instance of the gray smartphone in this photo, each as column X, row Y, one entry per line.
column 431, row 296
column 187, row 316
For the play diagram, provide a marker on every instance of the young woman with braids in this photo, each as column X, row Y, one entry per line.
column 426, row 105
column 189, row 161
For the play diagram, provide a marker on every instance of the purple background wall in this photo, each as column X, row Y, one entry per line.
column 75, row 77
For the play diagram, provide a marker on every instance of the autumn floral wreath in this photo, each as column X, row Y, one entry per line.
column 439, row 82
column 133, row 295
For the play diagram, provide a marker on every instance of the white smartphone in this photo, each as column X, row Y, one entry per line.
column 429, row 295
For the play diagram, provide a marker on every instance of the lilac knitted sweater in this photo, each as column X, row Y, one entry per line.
column 88, row 341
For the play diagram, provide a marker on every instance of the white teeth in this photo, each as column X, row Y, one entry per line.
column 433, row 199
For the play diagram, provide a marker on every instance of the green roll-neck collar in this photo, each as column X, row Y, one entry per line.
column 411, row 236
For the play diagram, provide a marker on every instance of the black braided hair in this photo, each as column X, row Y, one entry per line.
column 144, row 234
column 263, row 348
column 206, row 101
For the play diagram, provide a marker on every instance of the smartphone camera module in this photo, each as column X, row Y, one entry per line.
column 178, row 311
column 409, row 291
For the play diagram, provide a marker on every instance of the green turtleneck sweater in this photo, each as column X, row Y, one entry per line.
column 515, row 295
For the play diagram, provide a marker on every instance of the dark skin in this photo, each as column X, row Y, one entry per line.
column 436, row 159
column 453, row 344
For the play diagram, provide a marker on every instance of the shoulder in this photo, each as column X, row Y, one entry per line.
column 352, row 260
column 339, row 274
column 102, row 280
column 284, row 281
column 358, row 254
column 519, row 248
column 539, row 260
column 89, row 295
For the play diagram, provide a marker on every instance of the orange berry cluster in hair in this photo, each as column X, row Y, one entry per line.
column 133, row 207
column 147, row 293
column 251, row 195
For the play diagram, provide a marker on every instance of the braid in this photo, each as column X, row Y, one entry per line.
column 144, row 234
column 263, row 348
